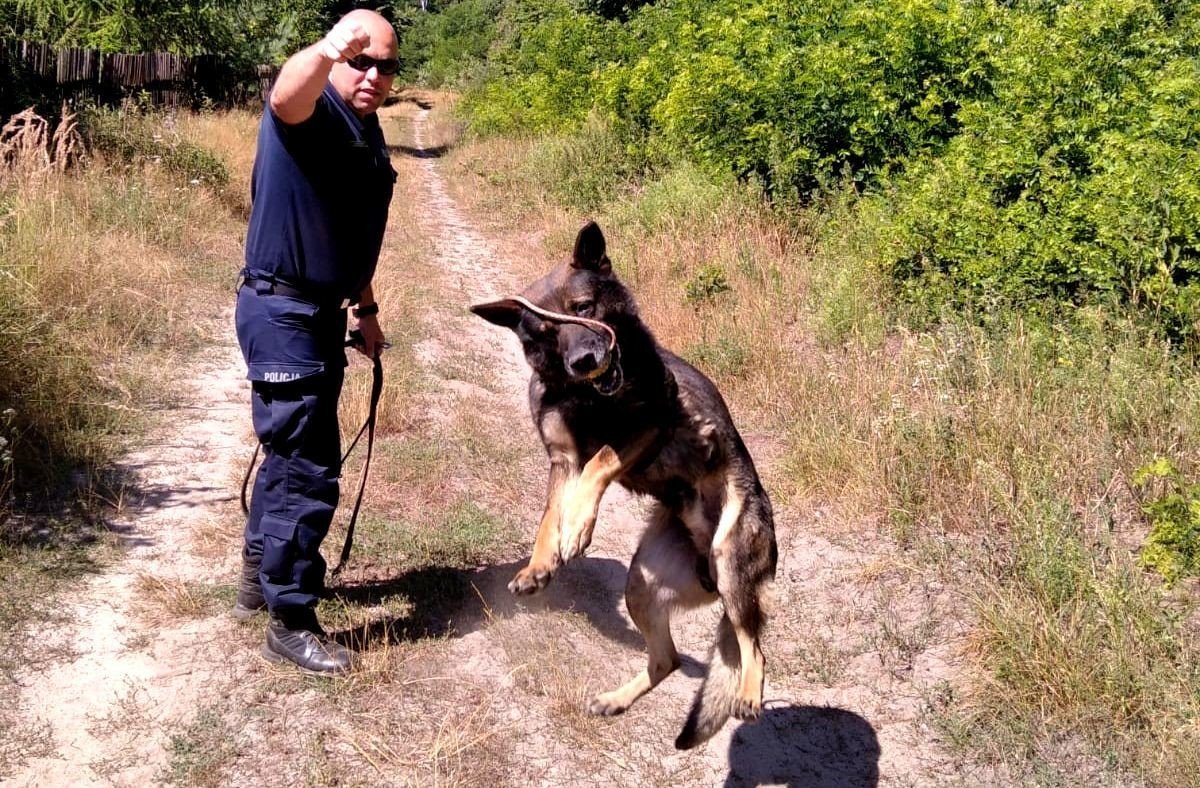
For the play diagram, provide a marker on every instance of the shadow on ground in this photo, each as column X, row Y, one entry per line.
column 456, row 602
column 420, row 102
column 433, row 152
column 809, row 746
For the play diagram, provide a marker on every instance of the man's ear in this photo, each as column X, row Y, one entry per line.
column 590, row 250
column 505, row 312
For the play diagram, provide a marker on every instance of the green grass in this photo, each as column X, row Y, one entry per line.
column 200, row 751
column 465, row 536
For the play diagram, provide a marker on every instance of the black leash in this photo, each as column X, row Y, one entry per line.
column 367, row 427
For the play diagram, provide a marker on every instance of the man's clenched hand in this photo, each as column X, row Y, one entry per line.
column 346, row 40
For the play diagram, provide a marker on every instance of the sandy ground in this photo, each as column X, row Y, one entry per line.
column 848, row 679
column 131, row 675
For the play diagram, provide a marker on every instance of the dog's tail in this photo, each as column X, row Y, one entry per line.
column 713, row 703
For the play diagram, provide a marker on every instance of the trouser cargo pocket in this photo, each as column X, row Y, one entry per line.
column 279, row 548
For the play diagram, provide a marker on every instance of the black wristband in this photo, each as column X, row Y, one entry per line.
column 366, row 311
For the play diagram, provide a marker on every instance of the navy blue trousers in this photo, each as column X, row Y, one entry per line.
column 296, row 362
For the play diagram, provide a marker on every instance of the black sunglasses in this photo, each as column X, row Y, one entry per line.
column 386, row 67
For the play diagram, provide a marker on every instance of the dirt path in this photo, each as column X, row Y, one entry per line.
column 856, row 649
column 134, row 673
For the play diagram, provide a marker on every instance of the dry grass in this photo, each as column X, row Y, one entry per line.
column 29, row 150
column 108, row 274
column 166, row 600
column 231, row 135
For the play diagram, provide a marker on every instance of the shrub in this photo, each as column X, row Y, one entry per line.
column 1076, row 178
column 542, row 68
column 144, row 136
column 439, row 48
column 1173, row 545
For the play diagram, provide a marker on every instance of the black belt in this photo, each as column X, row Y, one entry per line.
column 277, row 287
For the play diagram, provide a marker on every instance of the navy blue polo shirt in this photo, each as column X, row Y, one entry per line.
column 319, row 196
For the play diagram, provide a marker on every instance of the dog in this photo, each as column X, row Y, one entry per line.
column 611, row 405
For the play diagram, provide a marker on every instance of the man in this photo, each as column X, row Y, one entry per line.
column 320, row 191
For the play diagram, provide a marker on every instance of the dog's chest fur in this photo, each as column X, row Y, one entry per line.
column 666, row 399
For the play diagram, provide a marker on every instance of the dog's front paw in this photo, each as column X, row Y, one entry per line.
column 530, row 580
column 576, row 538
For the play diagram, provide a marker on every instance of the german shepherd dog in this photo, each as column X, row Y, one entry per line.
column 611, row 405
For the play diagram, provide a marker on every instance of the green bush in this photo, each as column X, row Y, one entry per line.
column 1019, row 153
column 1173, row 545
column 797, row 94
column 439, row 48
column 708, row 283
column 136, row 136
column 542, row 68
column 1077, row 178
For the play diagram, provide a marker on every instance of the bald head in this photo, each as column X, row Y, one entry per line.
column 365, row 81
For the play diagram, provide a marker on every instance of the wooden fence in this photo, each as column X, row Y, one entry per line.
column 162, row 78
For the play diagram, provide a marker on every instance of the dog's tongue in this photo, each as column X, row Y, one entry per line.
column 601, row 370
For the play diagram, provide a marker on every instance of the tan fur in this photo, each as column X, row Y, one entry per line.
column 564, row 464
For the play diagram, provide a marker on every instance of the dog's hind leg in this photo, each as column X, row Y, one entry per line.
column 744, row 556
column 662, row 576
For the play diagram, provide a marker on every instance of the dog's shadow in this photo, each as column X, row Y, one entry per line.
column 810, row 746
column 447, row 601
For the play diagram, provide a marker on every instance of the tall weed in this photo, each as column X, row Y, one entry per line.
column 103, row 271
column 1075, row 643
column 583, row 170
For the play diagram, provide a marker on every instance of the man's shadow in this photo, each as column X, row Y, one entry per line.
column 805, row 746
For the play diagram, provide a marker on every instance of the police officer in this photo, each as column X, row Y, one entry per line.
column 320, row 190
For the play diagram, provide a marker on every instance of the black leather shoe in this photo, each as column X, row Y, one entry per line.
column 304, row 643
column 250, row 596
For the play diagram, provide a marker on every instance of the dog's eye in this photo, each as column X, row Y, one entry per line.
column 583, row 308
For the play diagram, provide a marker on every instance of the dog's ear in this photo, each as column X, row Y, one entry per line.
column 505, row 312
column 590, row 250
